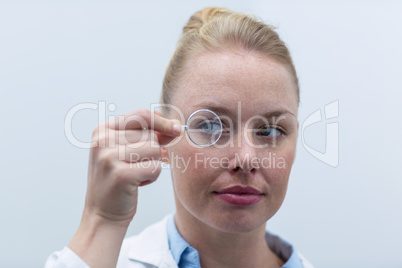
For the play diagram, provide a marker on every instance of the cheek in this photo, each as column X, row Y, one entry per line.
column 277, row 167
column 190, row 178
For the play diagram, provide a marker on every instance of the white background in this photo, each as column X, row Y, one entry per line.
column 57, row 54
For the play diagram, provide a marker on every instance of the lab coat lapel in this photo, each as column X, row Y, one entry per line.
column 151, row 246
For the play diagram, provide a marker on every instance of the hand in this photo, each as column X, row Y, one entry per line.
column 117, row 162
column 116, row 170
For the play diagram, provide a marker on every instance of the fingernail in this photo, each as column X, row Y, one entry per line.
column 177, row 128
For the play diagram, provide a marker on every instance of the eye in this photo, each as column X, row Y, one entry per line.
column 227, row 126
column 269, row 132
column 210, row 126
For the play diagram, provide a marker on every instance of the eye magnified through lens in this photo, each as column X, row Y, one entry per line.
column 204, row 128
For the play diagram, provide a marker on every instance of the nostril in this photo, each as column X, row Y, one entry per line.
column 236, row 168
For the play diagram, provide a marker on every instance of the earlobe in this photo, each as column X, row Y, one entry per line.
column 164, row 155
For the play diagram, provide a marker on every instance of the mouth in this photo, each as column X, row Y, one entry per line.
column 239, row 195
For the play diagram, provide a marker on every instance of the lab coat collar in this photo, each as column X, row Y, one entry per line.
column 151, row 246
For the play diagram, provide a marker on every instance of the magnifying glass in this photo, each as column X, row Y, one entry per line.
column 204, row 128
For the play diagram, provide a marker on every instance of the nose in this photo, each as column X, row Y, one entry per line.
column 243, row 157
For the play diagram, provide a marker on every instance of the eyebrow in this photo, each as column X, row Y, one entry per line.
column 217, row 109
column 224, row 111
column 277, row 113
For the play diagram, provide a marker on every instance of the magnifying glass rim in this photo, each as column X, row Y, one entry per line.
column 220, row 123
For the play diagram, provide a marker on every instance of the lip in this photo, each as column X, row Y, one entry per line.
column 239, row 195
column 239, row 190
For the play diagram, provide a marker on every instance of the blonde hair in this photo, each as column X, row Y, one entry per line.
column 215, row 29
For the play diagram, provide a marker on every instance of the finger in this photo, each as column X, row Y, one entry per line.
column 133, row 153
column 137, row 173
column 158, row 113
column 164, row 139
column 145, row 183
column 144, row 119
column 138, row 136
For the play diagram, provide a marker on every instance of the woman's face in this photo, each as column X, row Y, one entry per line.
column 258, row 96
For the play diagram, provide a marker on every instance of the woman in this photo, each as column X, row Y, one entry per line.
column 237, row 70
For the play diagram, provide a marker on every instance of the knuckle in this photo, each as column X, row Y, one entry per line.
column 156, row 172
column 104, row 137
column 151, row 171
column 101, row 139
column 106, row 158
column 144, row 113
column 98, row 132
column 154, row 151
column 95, row 133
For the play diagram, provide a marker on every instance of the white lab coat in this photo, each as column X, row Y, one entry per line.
column 149, row 249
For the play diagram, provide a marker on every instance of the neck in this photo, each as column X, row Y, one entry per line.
column 223, row 249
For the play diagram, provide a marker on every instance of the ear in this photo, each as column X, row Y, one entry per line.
column 164, row 155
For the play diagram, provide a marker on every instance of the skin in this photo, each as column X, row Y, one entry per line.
column 225, row 235
column 113, row 182
column 228, row 235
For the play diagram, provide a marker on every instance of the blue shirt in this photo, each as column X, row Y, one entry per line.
column 187, row 256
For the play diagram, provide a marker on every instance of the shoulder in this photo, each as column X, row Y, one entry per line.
column 286, row 251
column 305, row 262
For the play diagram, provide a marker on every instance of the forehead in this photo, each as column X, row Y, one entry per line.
column 229, row 77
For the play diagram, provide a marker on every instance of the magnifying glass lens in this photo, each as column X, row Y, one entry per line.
column 204, row 128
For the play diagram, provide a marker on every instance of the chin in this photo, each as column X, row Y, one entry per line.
column 238, row 222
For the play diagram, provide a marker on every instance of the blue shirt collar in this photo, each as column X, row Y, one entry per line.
column 183, row 254
column 186, row 256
